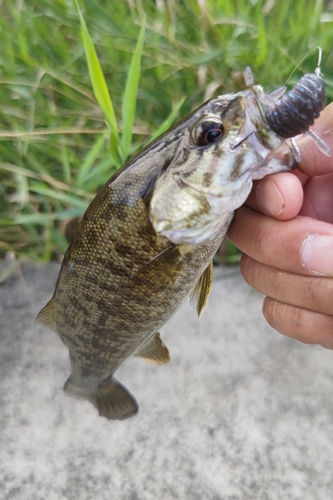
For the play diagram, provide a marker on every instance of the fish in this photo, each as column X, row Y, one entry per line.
column 147, row 240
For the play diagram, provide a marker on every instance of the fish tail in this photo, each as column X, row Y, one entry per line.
column 111, row 399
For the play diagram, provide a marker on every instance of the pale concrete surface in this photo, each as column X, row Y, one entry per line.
column 240, row 412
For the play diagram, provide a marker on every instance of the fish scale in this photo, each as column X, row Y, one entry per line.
column 147, row 240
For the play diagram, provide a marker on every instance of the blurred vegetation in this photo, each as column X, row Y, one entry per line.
column 54, row 139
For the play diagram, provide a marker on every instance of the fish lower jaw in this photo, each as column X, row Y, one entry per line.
column 161, row 226
column 199, row 235
column 178, row 231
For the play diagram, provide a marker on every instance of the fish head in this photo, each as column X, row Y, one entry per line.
column 223, row 146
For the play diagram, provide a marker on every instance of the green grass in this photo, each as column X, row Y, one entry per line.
column 62, row 137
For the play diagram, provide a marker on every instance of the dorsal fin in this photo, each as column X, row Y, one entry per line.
column 46, row 316
column 200, row 293
column 154, row 350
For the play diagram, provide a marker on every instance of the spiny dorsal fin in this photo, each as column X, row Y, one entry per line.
column 200, row 293
column 154, row 350
column 46, row 316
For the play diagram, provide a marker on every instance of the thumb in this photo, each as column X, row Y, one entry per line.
column 314, row 162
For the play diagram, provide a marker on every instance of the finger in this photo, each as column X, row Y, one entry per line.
column 278, row 195
column 314, row 162
column 303, row 325
column 318, row 198
column 301, row 245
column 306, row 292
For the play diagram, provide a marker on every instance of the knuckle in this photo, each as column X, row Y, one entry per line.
column 263, row 240
column 246, row 266
column 308, row 327
column 320, row 293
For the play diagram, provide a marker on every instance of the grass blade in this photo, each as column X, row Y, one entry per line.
column 130, row 94
column 66, row 168
column 169, row 120
column 89, row 160
column 46, row 219
column 100, row 88
column 22, row 190
column 71, row 201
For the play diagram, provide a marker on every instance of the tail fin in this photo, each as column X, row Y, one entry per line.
column 112, row 401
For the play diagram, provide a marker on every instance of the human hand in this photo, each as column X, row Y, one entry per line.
column 286, row 233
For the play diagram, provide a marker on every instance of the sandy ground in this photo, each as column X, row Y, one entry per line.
column 239, row 413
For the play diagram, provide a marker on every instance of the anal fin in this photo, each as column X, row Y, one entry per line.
column 201, row 291
column 111, row 399
column 154, row 350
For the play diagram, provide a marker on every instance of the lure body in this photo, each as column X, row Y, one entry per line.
column 297, row 110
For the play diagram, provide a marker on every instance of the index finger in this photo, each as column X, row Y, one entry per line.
column 301, row 245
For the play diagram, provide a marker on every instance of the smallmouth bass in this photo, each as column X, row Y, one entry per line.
column 147, row 240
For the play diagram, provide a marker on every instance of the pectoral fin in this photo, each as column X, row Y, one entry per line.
column 46, row 316
column 200, row 293
column 154, row 351
column 166, row 264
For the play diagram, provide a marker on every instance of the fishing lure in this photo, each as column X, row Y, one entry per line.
column 292, row 113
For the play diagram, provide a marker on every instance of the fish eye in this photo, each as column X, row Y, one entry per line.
column 208, row 132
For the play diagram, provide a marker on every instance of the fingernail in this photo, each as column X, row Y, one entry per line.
column 269, row 198
column 317, row 253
